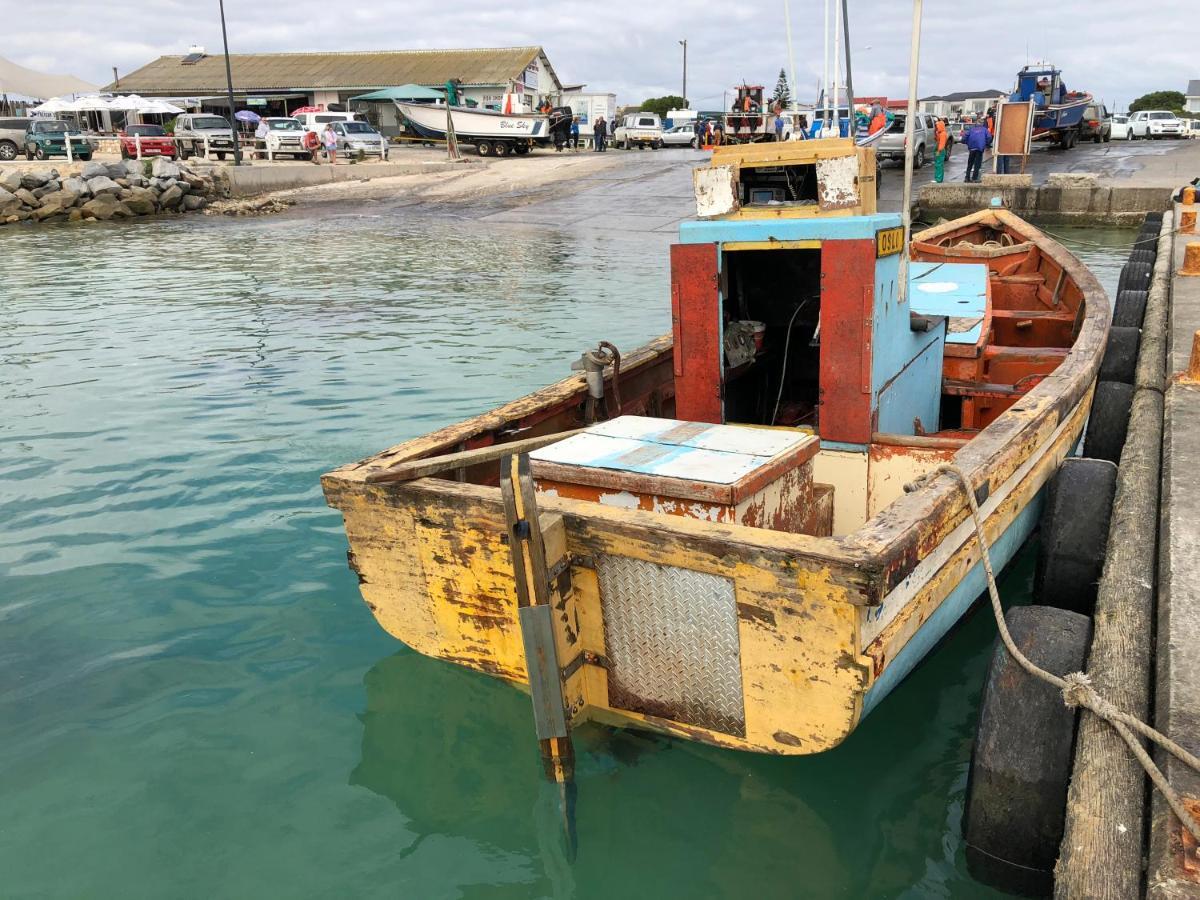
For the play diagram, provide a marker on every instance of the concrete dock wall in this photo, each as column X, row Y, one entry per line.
column 249, row 181
column 1065, row 200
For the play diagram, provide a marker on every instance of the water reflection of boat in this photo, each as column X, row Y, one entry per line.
column 769, row 607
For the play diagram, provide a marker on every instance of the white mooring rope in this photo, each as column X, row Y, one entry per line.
column 1076, row 687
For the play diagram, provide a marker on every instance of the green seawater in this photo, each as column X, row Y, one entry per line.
column 194, row 701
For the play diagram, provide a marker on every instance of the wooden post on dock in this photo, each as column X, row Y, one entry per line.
column 1102, row 848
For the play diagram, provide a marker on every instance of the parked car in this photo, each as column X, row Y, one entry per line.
column 1155, row 123
column 1193, row 127
column 12, row 136
column 1096, row 124
column 1120, row 130
column 191, row 130
column 316, row 121
column 891, row 145
column 680, row 136
column 641, row 129
column 48, row 137
column 355, row 137
column 282, row 135
column 146, row 140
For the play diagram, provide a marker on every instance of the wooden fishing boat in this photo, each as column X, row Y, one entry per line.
column 726, row 552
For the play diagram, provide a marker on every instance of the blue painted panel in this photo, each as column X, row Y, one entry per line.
column 906, row 365
column 837, row 228
column 953, row 607
column 916, row 392
column 950, row 289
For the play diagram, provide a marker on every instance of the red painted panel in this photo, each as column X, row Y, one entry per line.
column 847, row 301
column 696, row 323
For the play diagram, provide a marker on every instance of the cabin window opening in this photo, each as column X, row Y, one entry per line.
column 951, row 413
column 779, row 186
column 771, row 306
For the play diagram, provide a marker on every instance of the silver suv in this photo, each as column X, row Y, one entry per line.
column 191, row 129
column 891, row 145
column 12, row 137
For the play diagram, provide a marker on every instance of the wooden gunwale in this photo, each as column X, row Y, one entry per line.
column 870, row 561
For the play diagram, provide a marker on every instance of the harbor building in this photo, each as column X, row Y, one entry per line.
column 279, row 83
column 961, row 103
column 1191, row 99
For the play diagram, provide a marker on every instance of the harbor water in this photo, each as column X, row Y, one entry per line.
column 194, row 701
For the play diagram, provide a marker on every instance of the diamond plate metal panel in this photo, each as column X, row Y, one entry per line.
column 671, row 638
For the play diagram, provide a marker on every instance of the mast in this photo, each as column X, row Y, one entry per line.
column 825, row 78
column 849, row 76
column 914, row 60
column 837, row 67
column 787, row 18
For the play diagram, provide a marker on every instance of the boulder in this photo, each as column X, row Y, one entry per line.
column 193, row 202
column 51, row 207
column 10, row 180
column 65, row 198
column 123, row 212
column 75, row 215
column 140, row 206
column 122, row 181
column 164, row 168
column 103, row 207
column 93, row 170
column 136, row 181
column 124, row 193
column 43, row 191
column 9, row 203
column 76, row 186
column 102, row 184
column 171, row 197
column 133, row 167
column 115, row 170
column 12, row 220
column 31, row 180
column 26, row 197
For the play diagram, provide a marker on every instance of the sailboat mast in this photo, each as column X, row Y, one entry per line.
column 787, row 18
column 849, row 76
column 825, row 76
column 837, row 67
column 914, row 62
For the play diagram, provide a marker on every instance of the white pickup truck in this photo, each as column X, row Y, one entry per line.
column 643, row 129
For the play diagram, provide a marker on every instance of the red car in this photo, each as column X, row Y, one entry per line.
column 154, row 141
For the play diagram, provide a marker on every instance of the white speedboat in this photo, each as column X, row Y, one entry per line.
column 490, row 131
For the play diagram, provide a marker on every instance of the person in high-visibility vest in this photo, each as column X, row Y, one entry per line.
column 939, row 160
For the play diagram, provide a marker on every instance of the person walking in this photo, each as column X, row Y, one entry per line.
column 575, row 132
column 330, row 140
column 977, row 140
column 598, row 134
column 939, row 160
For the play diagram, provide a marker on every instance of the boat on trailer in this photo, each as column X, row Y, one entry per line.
column 710, row 536
column 1058, row 112
column 489, row 130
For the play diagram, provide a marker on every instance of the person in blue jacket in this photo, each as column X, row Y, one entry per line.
column 977, row 140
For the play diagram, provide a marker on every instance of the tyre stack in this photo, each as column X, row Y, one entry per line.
column 1016, row 800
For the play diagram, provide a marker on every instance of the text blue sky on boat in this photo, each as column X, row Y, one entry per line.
column 1113, row 48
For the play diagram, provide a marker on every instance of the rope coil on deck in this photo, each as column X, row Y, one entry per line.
column 1076, row 688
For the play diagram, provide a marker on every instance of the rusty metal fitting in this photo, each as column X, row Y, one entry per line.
column 1187, row 221
column 1191, row 259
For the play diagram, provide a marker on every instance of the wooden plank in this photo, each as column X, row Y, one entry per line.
column 696, row 319
column 436, row 465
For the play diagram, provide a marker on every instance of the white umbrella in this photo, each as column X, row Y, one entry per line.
column 160, row 107
column 54, row 105
column 93, row 103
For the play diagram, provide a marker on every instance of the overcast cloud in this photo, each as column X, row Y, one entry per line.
column 1113, row 48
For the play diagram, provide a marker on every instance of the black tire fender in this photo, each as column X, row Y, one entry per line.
column 1074, row 534
column 1016, row 798
column 1108, row 421
column 1120, row 354
column 1130, row 309
column 1134, row 276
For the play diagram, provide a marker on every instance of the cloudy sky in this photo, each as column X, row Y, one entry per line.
column 1114, row 48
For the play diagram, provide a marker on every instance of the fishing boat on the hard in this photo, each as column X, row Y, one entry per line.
column 1057, row 111
column 710, row 536
column 500, row 132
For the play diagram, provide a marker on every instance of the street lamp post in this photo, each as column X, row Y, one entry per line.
column 683, row 43
column 237, row 144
